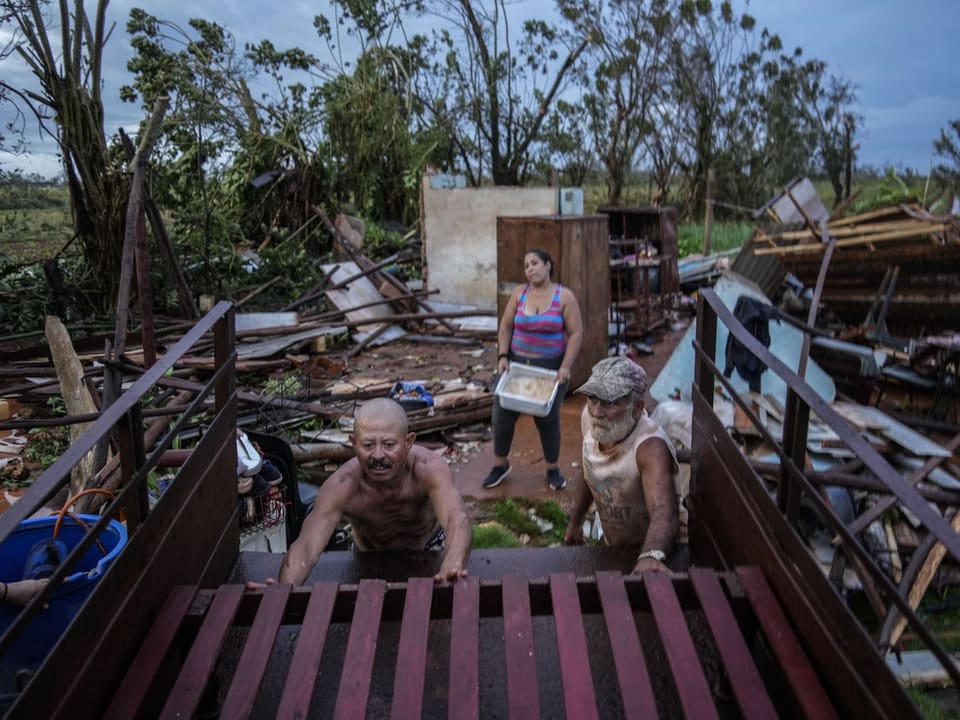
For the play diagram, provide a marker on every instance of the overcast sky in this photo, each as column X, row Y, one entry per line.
column 902, row 57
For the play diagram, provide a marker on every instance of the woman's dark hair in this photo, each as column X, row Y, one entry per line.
column 545, row 257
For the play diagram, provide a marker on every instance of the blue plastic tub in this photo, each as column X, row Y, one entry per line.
column 42, row 632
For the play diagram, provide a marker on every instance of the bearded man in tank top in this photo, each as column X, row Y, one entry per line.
column 628, row 466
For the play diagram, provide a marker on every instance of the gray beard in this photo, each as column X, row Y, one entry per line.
column 607, row 432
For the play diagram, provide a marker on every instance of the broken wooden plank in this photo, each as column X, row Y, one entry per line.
column 76, row 395
column 917, row 232
column 924, row 578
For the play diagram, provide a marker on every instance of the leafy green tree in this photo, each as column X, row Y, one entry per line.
column 65, row 56
column 716, row 64
column 826, row 102
column 947, row 146
column 567, row 144
column 378, row 147
column 625, row 80
column 789, row 144
column 491, row 94
column 234, row 168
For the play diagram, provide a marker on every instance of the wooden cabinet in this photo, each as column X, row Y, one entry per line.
column 580, row 248
column 643, row 267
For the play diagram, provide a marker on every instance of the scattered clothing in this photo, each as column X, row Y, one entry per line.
column 755, row 316
column 437, row 541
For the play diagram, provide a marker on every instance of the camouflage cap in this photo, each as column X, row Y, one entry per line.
column 614, row 378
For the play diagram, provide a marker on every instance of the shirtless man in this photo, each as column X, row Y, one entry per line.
column 397, row 496
column 628, row 466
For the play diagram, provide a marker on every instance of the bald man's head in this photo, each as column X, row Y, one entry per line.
column 381, row 409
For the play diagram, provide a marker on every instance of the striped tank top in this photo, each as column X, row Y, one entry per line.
column 538, row 336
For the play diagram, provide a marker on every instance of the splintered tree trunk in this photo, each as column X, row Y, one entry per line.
column 76, row 396
column 65, row 54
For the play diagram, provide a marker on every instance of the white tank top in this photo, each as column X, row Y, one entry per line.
column 614, row 480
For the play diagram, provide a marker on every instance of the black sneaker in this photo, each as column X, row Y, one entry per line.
column 555, row 479
column 496, row 476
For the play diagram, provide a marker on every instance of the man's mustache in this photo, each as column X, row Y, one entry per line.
column 375, row 464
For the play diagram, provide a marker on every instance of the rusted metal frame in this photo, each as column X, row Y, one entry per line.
column 131, row 498
column 248, row 676
column 464, row 691
column 797, row 420
column 860, row 523
column 705, row 372
column 872, row 460
column 130, row 440
column 742, row 673
column 302, row 676
column 751, row 530
column 796, row 423
column 695, row 696
column 353, row 693
column 632, row 674
column 224, row 352
column 490, row 592
column 58, row 474
column 860, row 557
column 202, row 658
column 523, row 700
column 136, row 475
column 579, row 698
column 802, row 679
column 271, row 607
column 97, row 647
column 859, row 482
column 159, row 640
column 410, row 678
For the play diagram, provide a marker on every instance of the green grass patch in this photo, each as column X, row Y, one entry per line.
column 724, row 236
column 520, row 515
column 512, row 514
column 930, row 707
column 493, row 535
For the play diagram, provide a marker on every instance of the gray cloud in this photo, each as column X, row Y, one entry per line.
column 900, row 57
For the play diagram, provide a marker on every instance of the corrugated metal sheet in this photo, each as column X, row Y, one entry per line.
column 766, row 271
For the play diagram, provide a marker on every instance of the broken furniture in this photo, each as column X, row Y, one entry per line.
column 528, row 634
column 728, row 495
column 191, row 538
column 578, row 246
column 925, row 248
column 298, row 496
column 643, row 266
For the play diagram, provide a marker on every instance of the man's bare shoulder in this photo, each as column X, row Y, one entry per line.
column 345, row 478
column 654, row 451
column 425, row 463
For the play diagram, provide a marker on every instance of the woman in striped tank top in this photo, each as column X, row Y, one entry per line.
column 541, row 326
